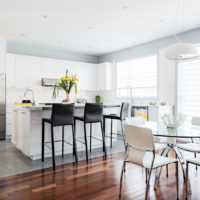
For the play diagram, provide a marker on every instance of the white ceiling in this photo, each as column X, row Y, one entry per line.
column 94, row 27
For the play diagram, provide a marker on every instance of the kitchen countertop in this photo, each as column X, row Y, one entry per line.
column 39, row 107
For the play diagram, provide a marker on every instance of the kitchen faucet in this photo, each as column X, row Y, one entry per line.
column 29, row 90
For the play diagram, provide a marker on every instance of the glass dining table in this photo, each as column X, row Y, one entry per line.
column 186, row 130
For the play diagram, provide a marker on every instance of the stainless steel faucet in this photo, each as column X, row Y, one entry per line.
column 29, row 90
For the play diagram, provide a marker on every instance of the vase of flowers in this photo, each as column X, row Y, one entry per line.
column 66, row 83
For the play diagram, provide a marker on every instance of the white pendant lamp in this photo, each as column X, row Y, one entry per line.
column 181, row 50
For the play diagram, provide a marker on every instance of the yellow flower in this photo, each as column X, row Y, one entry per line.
column 60, row 80
column 69, row 79
column 140, row 114
column 145, row 116
column 64, row 78
column 77, row 79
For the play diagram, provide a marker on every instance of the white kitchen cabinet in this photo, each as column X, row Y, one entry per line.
column 104, row 76
column 22, row 71
column 36, row 71
column 10, row 70
column 53, row 68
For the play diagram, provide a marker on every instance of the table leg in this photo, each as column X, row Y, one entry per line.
column 158, row 171
column 183, row 165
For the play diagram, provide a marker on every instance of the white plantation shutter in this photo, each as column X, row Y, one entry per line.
column 188, row 98
column 140, row 75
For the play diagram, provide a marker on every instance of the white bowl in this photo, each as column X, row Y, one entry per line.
column 171, row 121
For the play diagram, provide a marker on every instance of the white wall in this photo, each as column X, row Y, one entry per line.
column 2, row 54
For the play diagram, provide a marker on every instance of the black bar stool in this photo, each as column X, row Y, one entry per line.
column 93, row 113
column 62, row 115
column 123, row 114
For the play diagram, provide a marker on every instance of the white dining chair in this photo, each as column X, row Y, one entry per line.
column 141, row 151
column 193, row 146
column 194, row 161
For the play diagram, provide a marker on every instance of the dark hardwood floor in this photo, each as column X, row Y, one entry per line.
column 99, row 180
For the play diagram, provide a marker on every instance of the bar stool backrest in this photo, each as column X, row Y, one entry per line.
column 93, row 112
column 140, row 139
column 62, row 114
column 124, row 110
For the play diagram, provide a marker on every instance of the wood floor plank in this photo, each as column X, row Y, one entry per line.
column 98, row 180
column 46, row 187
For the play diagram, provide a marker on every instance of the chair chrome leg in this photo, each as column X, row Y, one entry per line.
column 74, row 144
column 121, row 179
column 187, row 169
column 147, row 185
column 177, row 181
column 43, row 139
column 53, row 149
column 86, row 146
column 63, row 141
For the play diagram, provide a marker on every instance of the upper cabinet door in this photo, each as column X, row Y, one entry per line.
column 36, row 71
column 53, row 68
column 10, row 70
column 22, row 71
column 104, row 76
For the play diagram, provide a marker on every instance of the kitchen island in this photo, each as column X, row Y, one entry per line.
column 26, row 129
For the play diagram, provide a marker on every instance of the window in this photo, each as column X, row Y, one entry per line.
column 188, row 88
column 137, row 78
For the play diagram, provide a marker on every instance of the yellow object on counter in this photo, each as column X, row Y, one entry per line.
column 21, row 104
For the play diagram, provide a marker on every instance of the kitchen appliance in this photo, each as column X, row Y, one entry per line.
column 2, row 106
column 49, row 82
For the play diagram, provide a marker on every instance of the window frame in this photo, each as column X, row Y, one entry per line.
column 139, row 98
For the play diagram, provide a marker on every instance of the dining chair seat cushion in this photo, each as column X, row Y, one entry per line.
column 191, row 147
column 158, row 162
column 195, row 161
column 160, row 146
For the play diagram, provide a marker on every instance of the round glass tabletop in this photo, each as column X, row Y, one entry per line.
column 187, row 130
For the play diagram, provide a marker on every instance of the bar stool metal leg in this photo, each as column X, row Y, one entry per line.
column 111, row 132
column 103, row 137
column 86, row 146
column 53, row 150
column 90, row 137
column 43, row 138
column 74, row 144
column 63, row 141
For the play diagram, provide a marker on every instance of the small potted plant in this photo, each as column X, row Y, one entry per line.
column 66, row 83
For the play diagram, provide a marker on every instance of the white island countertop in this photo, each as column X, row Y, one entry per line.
column 27, row 129
column 39, row 107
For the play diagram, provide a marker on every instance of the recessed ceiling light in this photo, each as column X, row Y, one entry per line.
column 90, row 27
column 124, row 7
column 161, row 20
column 44, row 16
column 23, row 35
column 59, row 41
column 108, row 40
